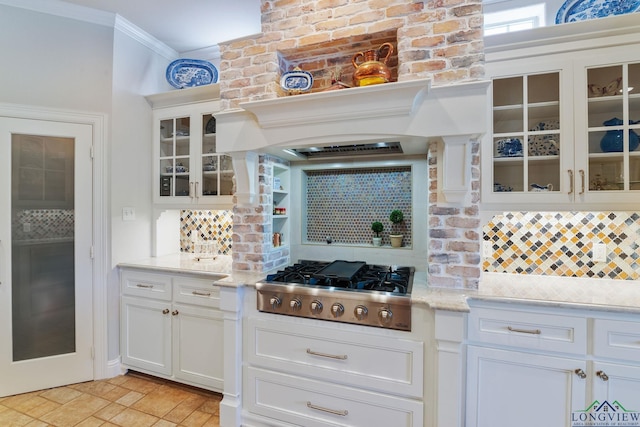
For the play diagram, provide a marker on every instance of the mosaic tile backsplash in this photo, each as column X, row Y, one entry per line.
column 43, row 224
column 561, row 243
column 207, row 226
column 343, row 203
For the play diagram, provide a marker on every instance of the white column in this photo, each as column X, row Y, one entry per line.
column 449, row 334
column 231, row 405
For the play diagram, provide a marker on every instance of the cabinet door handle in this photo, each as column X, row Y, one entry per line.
column 525, row 331
column 191, row 189
column 196, row 193
column 579, row 372
column 330, row 356
column 602, row 376
column 201, row 294
column 174, row 313
column 570, row 181
column 165, row 311
column 581, row 172
column 142, row 285
column 342, row 413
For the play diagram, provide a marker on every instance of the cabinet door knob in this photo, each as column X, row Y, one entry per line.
column 570, row 181
column 579, row 372
column 165, row 311
column 602, row 376
column 174, row 313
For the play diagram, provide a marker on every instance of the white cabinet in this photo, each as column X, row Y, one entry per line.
column 520, row 359
column 281, row 204
column 559, row 360
column 171, row 326
column 301, row 372
column 508, row 388
column 187, row 168
column 564, row 129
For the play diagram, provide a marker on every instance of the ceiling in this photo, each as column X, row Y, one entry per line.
column 188, row 25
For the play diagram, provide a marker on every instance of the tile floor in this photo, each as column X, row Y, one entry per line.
column 132, row 400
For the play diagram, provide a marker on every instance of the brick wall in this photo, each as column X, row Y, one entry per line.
column 436, row 39
column 440, row 39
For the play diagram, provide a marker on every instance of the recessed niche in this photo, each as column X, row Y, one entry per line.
column 331, row 59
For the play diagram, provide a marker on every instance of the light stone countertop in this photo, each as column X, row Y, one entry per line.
column 591, row 294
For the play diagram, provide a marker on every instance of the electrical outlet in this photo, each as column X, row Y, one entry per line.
column 128, row 214
column 599, row 251
column 487, row 249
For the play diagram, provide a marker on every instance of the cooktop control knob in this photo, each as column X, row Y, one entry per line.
column 316, row 307
column 275, row 302
column 361, row 312
column 385, row 315
column 337, row 309
column 295, row 304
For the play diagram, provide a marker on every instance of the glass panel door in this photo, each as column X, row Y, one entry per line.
column 526, row 133
column 42, row 246
column 175, row 145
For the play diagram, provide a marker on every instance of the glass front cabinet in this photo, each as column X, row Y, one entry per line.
column 565, row 132
column 188, row 169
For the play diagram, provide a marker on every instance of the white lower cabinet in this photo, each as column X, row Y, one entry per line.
column 172, row 327
column 302, row 373
column 540, row 366
column 509, row 388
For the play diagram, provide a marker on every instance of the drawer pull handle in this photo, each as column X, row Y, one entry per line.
column 330, row 356
column 165, row 311
column 201, row 294
column 525, row 331
column 602, row 376
column 142, row 285
column 342, row 413
column 579, row 372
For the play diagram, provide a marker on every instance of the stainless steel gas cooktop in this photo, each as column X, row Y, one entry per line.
column 341, row 291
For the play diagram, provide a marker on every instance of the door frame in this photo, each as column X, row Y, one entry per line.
column 101, row 227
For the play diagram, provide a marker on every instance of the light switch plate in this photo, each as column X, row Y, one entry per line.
column 599, row 251
column 128, row 214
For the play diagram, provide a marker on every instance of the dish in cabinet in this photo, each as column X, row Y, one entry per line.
column 509, row 147
column 544, row 145
column 184, row 72
column 582, row 10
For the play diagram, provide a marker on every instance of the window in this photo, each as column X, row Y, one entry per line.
column 516, row 19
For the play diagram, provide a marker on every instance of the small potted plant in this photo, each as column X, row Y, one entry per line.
column 396, row 217
column 377, row 228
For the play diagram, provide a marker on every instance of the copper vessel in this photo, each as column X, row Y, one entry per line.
column 372, row 71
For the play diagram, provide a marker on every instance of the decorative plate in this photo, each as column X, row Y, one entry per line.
column 582, row 10
column 544, row 145
column 183, row 73
column 509, row 147
column 211, row 125
column 296, row 81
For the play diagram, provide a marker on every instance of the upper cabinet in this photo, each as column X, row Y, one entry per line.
column 188, row 169
column 565, row 129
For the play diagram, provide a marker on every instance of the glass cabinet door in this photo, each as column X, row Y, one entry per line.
column 217, row 169
column 174, row 157
column 526, row 133
column 613, row 124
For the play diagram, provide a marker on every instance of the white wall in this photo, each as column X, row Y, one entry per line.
column 54, row 62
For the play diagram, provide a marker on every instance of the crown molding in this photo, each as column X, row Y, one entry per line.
column 144, row 38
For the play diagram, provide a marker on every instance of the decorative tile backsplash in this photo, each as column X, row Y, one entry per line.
column 343, row 203
column 207, row 226
column 561, row 243
column 42, row 224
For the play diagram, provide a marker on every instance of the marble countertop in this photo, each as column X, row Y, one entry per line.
column 593, row 294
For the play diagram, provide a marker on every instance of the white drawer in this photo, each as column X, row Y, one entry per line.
column 196, row 292
column 528, row 329
column 311, row 403
column 143, row 284
column 335, row 353
column 616, row 339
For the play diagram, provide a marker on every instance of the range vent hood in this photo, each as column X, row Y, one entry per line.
column 349, row 150
column 411, row 114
